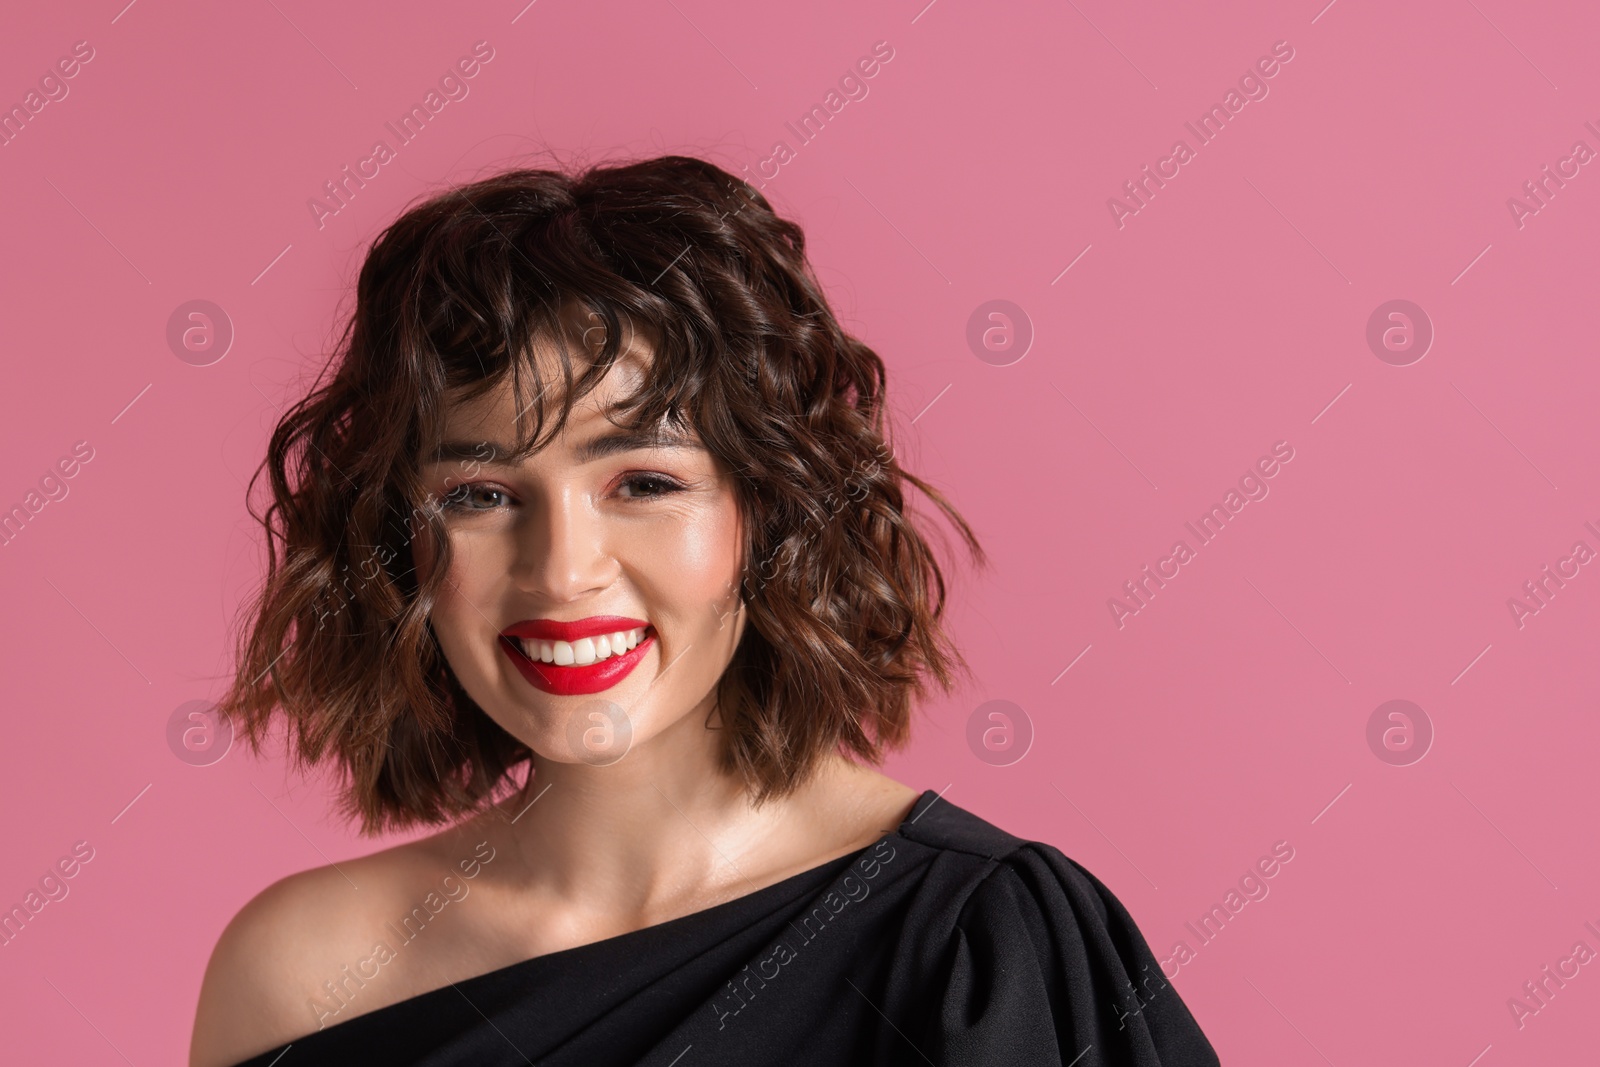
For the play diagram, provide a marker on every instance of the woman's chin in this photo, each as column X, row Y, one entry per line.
column 591, row 729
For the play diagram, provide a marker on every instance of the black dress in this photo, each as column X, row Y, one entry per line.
column 948, row 942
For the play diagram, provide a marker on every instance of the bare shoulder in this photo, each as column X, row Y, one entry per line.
column 305, row 952
column 249, row 999
column 866, row 801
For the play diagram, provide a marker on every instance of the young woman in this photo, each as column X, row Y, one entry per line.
column 594, row 551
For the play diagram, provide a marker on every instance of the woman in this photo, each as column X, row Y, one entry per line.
column 593, row 550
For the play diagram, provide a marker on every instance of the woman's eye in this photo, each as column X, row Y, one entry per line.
column 472, row 497
column 647, row 486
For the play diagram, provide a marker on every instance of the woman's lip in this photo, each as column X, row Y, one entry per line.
column 574, row 680
column 553, row 630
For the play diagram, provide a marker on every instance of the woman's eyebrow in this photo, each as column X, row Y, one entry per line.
column 482, row 451
column 596, row 448
column 631, row 440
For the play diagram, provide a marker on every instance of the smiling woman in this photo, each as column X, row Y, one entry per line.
column 644, row 604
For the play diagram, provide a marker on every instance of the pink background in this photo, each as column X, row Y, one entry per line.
column 1227, row 315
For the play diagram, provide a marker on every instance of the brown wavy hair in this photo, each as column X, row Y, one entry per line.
column 845, row 597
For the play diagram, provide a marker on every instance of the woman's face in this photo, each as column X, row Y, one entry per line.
column 595, row 535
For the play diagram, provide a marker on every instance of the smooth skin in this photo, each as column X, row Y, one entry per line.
column 597, row 849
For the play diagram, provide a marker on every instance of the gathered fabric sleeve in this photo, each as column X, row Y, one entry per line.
column 1045, row 967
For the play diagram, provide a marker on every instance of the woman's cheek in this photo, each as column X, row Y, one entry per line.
column 662, row 563
column 479, row 565
column 716, row 562
column 701, row 553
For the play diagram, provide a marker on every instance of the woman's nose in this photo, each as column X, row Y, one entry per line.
column 562, row 549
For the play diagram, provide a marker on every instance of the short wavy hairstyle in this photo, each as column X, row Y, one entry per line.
column 844, row 595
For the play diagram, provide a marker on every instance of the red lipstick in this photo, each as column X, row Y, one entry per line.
column 574, row 680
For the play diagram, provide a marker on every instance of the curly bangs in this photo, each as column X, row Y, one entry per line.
column 844, row 596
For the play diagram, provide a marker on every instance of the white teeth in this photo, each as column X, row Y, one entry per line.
column 584, row 651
